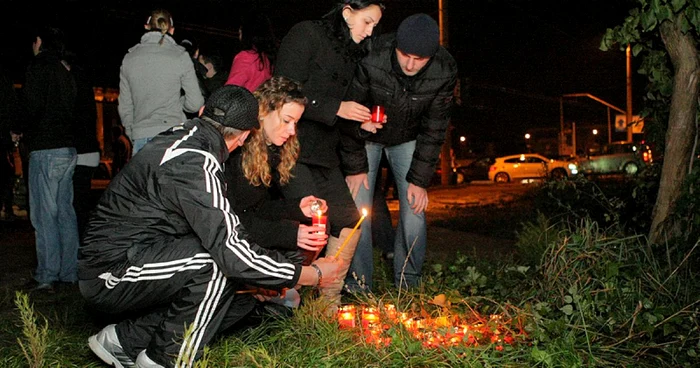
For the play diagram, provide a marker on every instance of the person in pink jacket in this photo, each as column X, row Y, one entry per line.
column 253, row 64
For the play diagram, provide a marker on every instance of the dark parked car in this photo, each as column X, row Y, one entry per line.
column 475, row 170
column 617, row 158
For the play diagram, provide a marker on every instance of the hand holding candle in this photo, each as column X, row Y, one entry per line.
column 316, row 238
column 319, row 220
column 378, row 114
column 310, row 205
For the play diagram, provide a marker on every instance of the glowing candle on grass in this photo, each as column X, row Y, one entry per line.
column 370, row 317
column 346, row 316
column 364, row 214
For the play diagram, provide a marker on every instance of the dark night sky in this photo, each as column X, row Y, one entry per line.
column 516, row 57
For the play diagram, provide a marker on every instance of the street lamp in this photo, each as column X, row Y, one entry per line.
column 527, row 142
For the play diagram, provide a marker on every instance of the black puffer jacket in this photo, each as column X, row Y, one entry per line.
column 49, row 96
column 174, row 188
column 310, row 55
column 417, row 108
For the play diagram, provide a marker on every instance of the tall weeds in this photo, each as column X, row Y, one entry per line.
column 35, row 339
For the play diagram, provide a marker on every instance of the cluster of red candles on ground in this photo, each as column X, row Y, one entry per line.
column 441, row 331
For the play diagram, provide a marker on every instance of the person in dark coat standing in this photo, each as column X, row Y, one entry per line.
column 49, row 94
column 322, row 56
column 413, row 77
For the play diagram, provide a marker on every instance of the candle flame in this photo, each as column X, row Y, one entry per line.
column 364, row 212
column 319, row 213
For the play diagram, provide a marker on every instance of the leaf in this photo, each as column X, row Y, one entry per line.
column 567, row 309
column 650, row 318
column 664, row 13
column 541, row 356
column 439, row 300
column 415, row 347
column 648, row 21
column 676, row 5
column 692, row 353
column 613, row 269
column 669, row 329
column 568, row 299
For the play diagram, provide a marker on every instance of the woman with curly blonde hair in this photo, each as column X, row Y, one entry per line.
column 256, row 174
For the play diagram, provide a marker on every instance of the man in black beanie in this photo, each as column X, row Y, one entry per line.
column 164, row 244
column 413, row 78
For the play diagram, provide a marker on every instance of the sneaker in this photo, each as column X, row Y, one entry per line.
column 33, row 285
column 143, row 361
column 106, row 346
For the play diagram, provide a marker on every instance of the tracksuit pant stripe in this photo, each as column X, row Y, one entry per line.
column 190, row 346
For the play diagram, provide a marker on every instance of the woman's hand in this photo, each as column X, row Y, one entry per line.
column 306, row 202
column 352, row 110
column 312, row 238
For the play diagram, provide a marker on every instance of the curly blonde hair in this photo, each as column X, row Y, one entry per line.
column 271, row 95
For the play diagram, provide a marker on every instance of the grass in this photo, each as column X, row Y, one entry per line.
column 586, row 294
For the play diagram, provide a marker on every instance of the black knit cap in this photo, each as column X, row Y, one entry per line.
column 233, row 106
column 418, row 35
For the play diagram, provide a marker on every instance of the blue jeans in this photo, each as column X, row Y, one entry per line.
column 138, row 144
column 411, row 232
column 52, row 214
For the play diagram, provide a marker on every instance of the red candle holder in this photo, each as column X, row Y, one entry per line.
column 346, row 316
column 320, row 220
column 317, row 220
column 370, row 317
column 378, row 114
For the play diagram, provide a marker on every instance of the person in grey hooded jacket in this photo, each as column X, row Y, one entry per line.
column 157, row 83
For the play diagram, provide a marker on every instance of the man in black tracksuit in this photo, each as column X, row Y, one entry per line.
column 163, row 239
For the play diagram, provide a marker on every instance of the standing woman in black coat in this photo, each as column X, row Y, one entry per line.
column 322, row 56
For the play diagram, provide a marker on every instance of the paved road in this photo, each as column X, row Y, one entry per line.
column 444, row 243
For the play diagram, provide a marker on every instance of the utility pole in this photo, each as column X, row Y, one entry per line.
column 445, row 153
column 628, row 115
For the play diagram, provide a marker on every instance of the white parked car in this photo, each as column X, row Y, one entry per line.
column 530, row 166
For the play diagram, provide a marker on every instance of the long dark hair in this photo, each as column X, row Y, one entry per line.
column 338, row 27
column 257, row 34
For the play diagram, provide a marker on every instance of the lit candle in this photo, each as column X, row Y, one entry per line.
column 364, row 214
column 369, row 317
column 319, row 220
column 441, row 321
column 390, row 310
column 346, row 316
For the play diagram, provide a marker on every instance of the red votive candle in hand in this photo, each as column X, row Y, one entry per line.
column 378, row 114
column 317, row 220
